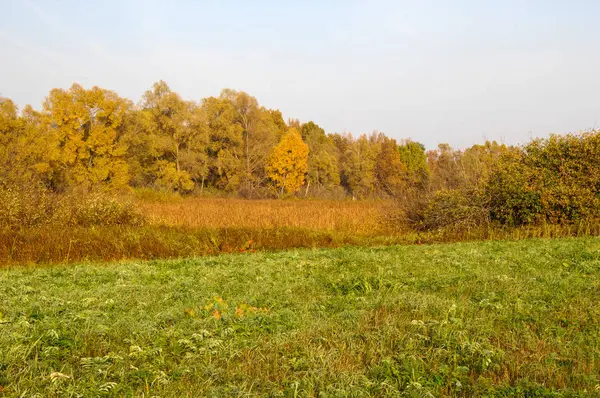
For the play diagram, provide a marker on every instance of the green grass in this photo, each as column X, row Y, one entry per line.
column 471, row 319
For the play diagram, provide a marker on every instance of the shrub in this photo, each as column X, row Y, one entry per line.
column 514, row 198
column 567, row 171
column 101, row 210
column 36, row 206
column 456, row 209
column 555, row 180
column 25, row 207
column 410, row 208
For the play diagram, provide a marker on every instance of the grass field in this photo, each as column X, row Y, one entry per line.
column 469, row 319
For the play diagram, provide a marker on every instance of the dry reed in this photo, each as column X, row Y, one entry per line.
column 360, row 217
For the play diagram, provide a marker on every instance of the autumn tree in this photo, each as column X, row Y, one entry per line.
column 358, row 166
column 323, row 168
column 390, row 171
column 261, row 130
column 88, row 126
column 478, row 161
column 414, row 158
column 287, row 163
column 445, row 166
column 173, row 136
column 225, row 144
column 10, row 129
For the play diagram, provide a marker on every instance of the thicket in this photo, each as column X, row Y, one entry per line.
column 35, row 206
column 555, row 180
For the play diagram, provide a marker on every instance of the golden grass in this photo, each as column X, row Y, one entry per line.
column 357, row 217
column 187, row 227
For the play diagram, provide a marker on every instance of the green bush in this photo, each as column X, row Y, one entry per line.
column 554, row 180
column 514, row 198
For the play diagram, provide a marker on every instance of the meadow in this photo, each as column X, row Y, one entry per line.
column 512, row 318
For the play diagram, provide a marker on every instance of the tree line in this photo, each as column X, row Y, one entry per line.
column 94, row 140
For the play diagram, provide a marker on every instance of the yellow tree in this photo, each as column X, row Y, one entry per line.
column 27, row 154
column 225, row 144
column 10, row 129
column 288, row 162
column 89, row 125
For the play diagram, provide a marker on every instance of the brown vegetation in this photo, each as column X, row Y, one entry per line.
column 356, row 217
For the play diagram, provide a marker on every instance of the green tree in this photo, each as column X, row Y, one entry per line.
column 172, row 137
column 358, row 166
column 323, row 168
column 413, row 156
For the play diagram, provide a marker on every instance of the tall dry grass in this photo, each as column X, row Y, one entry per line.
column 356, row 217
column 95, row 229
column 106, row 229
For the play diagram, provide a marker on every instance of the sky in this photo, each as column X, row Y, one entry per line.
column 453, row 71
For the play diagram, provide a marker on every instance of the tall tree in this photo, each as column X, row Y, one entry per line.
column 225, row 150
column 287, row 163
column 413, row 156
column 89, row 128
column 173, row 136
column 10, row 129
column 261, row 130
column 445, row 166
column 358, row 167
column 390, row 171
column 323, row 169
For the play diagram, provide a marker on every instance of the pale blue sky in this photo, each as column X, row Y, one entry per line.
column 456, row 71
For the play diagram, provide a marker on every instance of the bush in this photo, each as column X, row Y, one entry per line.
column 409, row 210
column 555, row 180
column 101, row 210
column 36, row 206
column 512, row 190
column 27, row 207
column 456, row 209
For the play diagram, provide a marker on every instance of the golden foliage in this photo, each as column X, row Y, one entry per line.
column 88, row 125
column 288, row 162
